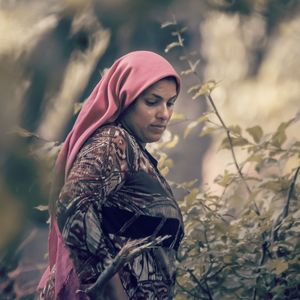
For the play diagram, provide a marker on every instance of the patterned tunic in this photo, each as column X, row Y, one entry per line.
column 114, row 192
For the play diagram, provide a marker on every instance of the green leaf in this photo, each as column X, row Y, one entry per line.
column 236, row 129
column 256, row 133
column 256, row 157
column 236, row 142
column 225, row 179
column 279, row 136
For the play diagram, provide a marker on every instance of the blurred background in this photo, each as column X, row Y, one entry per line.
column 52, row 54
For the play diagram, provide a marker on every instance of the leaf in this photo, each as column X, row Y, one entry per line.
column 225, row 179
column 186, row 72
column 165, row 171
column 275, row 185
column 189, row 127
column 278, row 265
column 279, row 136
column 192, row 69
column 178, row 117
column 173, row 45
column 168, row 23
column 205, row 89
column 227, row 259
column 256, row 133
column 24, row 133
column 236, row 142
column 256, row 157
column 202, row 118
column 164, row 161
column 207, row 130
column 235, row 129
column 194, row 88
column 188, row 184
column 41, row 207
column 77, row 108
column 173, row 142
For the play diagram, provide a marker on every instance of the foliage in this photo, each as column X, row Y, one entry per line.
column 241, row 242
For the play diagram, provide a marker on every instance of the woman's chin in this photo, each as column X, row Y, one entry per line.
column 154, row 138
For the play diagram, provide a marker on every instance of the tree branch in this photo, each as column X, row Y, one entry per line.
column 129, row 251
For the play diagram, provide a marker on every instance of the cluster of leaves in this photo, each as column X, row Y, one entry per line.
column 242, row 241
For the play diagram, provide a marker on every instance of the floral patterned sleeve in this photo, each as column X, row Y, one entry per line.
column 99, row 170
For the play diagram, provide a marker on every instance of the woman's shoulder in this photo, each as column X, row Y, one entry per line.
column 119, row 142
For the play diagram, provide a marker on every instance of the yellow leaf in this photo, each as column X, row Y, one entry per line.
column 173, row 45
column 77, row 108
column 173, row 142
column 164, row 171
column 194, row 88
column 279, row 265
column 207, row 130
column 205, row 89
column 177, row 117
column 168, row 23
column 189, row 128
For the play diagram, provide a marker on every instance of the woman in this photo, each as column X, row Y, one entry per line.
column 110, row 189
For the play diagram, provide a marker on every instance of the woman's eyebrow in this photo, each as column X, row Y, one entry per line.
column 160, row 97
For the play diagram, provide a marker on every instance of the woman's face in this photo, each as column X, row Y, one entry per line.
column 148, row 116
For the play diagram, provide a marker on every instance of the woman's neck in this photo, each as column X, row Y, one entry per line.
column 123, row 125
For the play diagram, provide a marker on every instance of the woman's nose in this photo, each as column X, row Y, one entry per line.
column 163, row 112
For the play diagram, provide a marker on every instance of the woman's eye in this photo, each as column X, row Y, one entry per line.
column 151, row 102
column 171, row 103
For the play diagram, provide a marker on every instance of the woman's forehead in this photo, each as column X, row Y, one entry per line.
column 162, row 86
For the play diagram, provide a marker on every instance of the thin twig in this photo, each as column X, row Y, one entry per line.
column 285, row 210
column 265, row 247
column 197, row 281
column 256, row 209
column 187, row 291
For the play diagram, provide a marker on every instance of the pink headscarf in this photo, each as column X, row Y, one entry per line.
column 127, row 78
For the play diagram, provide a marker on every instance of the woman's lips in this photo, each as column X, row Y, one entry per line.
column 159, row 128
